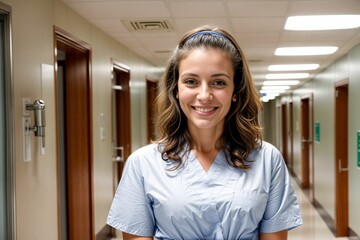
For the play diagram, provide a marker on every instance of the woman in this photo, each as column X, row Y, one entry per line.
column 210, row 175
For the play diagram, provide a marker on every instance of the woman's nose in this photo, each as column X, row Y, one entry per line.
column 204, row 93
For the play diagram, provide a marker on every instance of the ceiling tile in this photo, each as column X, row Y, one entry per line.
column 123, row 9
column 195, row 9
column 110, row 25
column 164, row 43
column 257, row 8
column 185, row 24
column 268, row 39
column 274, row 24
column 325, row 7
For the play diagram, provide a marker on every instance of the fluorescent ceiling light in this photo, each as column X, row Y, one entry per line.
column 267, row 98
column 286, row 75
column 305, row 51
column 322, row 22
column 275, row 87
column 281, row 82
column 264, row 99
column 293, row 67
column 270, row 94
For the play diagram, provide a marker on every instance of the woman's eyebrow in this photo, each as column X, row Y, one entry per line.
column 221, row 75
column 187, row 74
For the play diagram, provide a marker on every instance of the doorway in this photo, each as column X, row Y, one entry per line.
column 290, row 138
column 307, row 164
column 121, row 118
column 341, row 159
column 284, row 132
column 74, row 137
column 151, row 94
column 7, row 147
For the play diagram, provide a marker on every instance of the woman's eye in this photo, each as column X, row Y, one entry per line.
column 219, row 83
column 190, row 82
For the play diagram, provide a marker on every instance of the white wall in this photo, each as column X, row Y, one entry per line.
column 36, row 183
column 354, row 126
column 324, row 183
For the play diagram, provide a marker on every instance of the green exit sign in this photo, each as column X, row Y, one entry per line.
column 317, row 132
column 358, row 149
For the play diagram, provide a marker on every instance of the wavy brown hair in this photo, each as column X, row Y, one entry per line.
column 242, row 132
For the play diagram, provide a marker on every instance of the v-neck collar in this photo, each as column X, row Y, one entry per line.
column 215, row 167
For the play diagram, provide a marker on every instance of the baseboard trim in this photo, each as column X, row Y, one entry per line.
column 329, row 221
column 353, row 235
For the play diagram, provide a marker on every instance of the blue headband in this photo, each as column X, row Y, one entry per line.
column 208, row 33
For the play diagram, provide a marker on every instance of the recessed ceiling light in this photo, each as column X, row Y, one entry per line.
column 293, row 67
column 286, row 75
column 281, row 82
column 305, row 51
column 322, row 22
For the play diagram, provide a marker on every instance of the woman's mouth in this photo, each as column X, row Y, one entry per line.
column 204, row 110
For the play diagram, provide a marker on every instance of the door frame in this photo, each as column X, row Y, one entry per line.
column 120, row 126
column 10, row 163
column 151, row 94
column 341, row 158
column 284, row 132
column 307, row 164
column 121, row 117
column 78, row 115
column 291, row 137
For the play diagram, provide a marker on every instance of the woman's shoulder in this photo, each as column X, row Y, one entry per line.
column 146, row 151
column 146, row 160
column 267, row 152
column 266, row 146
column 147, row 154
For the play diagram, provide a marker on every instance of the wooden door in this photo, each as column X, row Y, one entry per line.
column 290, row 138
column 284, row 132
column 341, row 161
column 305, row 143
column 151, row 93
column 121, row 133
column 75, row 148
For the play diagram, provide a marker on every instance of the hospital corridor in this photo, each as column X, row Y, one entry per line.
column 78, row 83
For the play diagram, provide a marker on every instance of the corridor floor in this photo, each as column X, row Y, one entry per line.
column 314, row 227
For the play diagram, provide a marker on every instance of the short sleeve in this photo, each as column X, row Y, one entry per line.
column 282, row 210
column 131, row 211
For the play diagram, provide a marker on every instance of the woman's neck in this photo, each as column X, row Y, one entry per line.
column 205, row 140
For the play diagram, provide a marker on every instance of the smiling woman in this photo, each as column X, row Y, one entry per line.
column 205, row 90
column 209, row 175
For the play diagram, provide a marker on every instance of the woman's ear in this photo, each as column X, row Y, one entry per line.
column 234, row 98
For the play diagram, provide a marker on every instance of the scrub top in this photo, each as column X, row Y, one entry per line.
column 189, row 203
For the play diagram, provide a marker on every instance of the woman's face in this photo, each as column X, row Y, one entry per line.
column 206, row 86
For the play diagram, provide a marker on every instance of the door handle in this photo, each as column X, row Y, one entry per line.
column 121, row 157
column 341, row 169
column 306, row 140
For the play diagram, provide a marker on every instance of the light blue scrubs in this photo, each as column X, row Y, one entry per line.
column 189, row 203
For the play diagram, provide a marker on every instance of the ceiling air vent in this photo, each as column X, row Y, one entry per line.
column 148, row 26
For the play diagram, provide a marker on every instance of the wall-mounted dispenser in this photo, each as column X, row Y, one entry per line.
column 39, row 122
